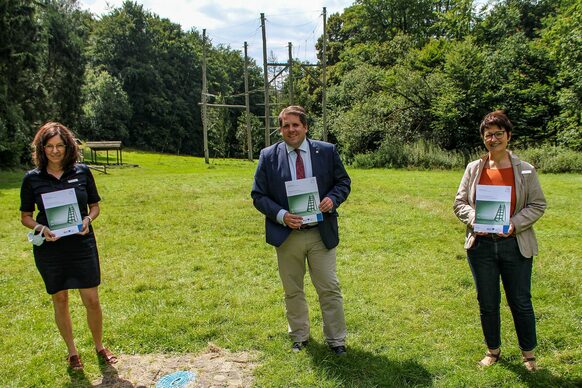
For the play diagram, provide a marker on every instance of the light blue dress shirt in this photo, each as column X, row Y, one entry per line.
column 292, row 158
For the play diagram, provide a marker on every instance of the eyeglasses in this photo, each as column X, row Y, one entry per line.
column 498, row 135
column 52, row 147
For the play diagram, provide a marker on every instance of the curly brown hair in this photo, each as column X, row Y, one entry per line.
column 48, row 131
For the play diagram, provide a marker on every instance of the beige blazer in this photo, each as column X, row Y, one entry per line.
column 530, row 202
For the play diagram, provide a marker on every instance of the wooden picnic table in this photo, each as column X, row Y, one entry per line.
column 114, row 145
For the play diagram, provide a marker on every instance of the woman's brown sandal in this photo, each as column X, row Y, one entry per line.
column 74, row 362
column 530, row 364
column 107, row 357
column 493, row 356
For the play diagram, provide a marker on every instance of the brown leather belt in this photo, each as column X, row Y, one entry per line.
column 307, row 227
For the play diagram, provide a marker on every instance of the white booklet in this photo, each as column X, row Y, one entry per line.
column 62, row 212
column 493, row 204
column 303, row 197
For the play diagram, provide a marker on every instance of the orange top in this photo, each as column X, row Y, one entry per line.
column 500, row 177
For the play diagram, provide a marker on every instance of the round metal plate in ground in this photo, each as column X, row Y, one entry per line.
column 176, row 380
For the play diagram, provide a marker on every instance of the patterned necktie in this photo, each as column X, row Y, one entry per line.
column 299, row 167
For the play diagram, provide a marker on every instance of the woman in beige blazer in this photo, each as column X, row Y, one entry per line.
column 507, row 255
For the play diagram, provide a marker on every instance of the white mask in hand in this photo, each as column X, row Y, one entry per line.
column 36, row 239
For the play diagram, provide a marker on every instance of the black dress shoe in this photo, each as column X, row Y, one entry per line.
column 339, row 350
column 298, row 346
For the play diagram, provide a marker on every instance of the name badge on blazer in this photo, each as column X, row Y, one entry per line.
column 73, row 180
column 525, row 172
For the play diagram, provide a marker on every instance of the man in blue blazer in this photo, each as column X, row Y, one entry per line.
column 297, row 157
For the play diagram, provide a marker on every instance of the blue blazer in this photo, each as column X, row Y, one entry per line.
column 269, row 195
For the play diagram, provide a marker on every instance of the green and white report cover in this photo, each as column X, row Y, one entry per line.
column 303, row 198
column 62, row 212
column 493, row 204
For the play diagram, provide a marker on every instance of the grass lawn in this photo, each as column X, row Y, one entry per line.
column 184, row 262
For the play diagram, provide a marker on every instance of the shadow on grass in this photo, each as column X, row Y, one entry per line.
column 111, row 377
column 364, row 369
column 78, row 379
column 541, row 378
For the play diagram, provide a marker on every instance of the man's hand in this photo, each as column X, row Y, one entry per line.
column 293, row 221
column 326, row 205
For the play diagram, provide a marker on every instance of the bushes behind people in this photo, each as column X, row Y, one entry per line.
column 425, row 155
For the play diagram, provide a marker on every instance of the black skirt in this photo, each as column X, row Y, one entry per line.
column 70, row 262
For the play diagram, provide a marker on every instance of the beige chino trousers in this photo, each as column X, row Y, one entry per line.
column 291, row 256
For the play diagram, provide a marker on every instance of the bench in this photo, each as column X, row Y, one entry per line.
column 106, row 146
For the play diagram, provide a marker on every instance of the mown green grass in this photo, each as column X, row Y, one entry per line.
column 184, row 263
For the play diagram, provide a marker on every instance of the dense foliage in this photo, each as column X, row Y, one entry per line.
column 400, row 72
column 128, row 76
column 407, row 71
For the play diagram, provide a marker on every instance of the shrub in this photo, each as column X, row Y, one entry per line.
column 552, row 159
column 420, row 154
column 427, row 155
column 389, row 155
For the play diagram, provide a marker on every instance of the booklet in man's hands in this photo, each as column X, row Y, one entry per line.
column 493, row 204
column 62, row 212
column 303, row 197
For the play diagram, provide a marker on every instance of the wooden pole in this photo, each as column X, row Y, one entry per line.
column 324, row 63
column 204, row 98
column 248, row 107
column 266, row 82
column 290, row 74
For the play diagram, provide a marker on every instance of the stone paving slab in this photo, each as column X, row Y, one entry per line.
column 214, row 368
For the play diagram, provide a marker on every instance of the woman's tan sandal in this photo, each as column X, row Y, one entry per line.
column 74, row 362
column 107, row 357
column 495, row 357
column 530, row 364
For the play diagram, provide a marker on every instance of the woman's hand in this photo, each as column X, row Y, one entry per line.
column 509, row 232
column 478, row 233
column 86, row 223
column 49, row 235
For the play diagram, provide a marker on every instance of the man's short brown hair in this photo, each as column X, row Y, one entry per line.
column 293, row 110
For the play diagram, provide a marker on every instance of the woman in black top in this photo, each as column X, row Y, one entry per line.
column 70, row 261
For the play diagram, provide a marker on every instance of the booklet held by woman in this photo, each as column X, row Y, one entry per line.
column 62, row 212
column 303, row 197
column 493, row 204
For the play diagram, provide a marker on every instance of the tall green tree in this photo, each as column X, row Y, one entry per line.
column 67, row 30
column 562, row 37
column 508, row 17
column 159, row 69
column 458, row 103
column 517, row 78
column 455, row 19
column 22, row 94
column 106, row 108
